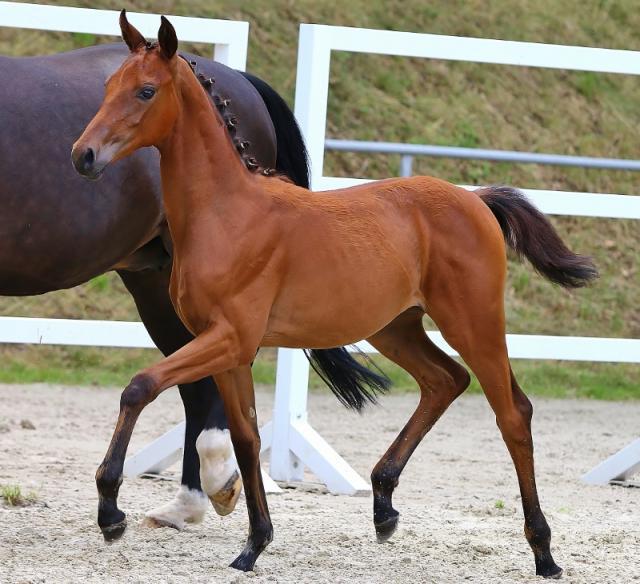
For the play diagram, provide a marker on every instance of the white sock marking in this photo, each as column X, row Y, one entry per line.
column 217, row 461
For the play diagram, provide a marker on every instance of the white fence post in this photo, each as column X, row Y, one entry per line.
column 312, row 94
column 619, row 467
column 295, row 444
column 292, row 381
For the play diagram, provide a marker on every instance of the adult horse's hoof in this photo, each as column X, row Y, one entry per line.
column 188, row 506
column 114, row 532
column 385, row 529
column 218, row 472
column 155, row 523
column 224, row 501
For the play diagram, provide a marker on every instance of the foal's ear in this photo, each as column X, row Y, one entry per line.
column 130, row 33
column 167, row 39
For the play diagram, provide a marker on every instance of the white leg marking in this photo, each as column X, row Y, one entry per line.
column 188, row 506
column 217, row 461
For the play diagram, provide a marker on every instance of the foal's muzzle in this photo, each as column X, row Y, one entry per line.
column 84, row 161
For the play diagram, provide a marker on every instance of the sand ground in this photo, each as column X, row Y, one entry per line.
column 451, row 529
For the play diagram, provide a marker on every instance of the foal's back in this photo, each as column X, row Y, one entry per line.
column 391, row 233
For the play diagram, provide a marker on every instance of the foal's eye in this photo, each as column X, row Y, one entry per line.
column 146, row 93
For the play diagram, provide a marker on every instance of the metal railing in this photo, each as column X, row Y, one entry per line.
column 407, row 153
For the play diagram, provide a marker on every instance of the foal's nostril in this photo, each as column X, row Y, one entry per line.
column 89, row 158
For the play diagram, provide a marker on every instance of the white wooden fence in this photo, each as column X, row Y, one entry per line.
column 289, row 437
column 312, row 88
column 230, row 38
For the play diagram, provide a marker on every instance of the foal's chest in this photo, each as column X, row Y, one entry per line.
column 193, row 295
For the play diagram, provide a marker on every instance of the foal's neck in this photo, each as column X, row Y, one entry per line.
column 202, row 172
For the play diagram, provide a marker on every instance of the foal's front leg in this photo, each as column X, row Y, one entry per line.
column 214, row 350
column 236, row 389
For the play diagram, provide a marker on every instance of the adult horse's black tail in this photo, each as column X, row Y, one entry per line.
column 530, row 234
column 351, row 382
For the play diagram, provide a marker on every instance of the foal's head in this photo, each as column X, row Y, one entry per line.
column 140, row 104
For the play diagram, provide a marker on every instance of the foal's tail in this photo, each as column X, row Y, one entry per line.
column 529, row 233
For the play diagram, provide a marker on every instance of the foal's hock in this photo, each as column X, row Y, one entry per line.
column 257, row 262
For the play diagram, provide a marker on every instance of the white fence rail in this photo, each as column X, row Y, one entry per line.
column 407, row 153
column 230, row 38
column 110, row 333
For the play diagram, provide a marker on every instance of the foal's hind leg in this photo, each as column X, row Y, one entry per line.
column 441, row 380
column 474, row 326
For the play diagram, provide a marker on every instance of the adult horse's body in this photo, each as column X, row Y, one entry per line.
column 59, row 230
column 257, row 263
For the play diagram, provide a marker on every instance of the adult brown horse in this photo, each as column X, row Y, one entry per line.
column 58, row 230
column 257, row 262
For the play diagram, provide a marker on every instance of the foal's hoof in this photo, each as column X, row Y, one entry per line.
column 243, row 563
column 552, row 573
column 188, row 506
column 224, row 501
column 385, row 529
column 114, row 532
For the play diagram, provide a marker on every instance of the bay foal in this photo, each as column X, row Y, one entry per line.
column 257, row 262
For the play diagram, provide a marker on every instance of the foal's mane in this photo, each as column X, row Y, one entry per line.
column 230, row 123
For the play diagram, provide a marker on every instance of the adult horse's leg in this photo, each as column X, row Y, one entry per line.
column 474, row 325
column 209, row 466
column 441, row 380
column 213, row 350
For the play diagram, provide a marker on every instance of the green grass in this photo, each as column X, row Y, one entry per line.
column 13, row 497
column 375, row 97
column 115, row 367
column 555, row 379
column 72, row 365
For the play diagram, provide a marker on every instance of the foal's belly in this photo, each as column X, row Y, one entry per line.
column 317, row 317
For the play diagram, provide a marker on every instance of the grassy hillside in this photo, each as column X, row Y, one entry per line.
column 409, row 100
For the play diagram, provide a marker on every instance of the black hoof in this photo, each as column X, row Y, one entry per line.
column 385, row 529
column 114, row 532
column 244, row 562
column 553, row 573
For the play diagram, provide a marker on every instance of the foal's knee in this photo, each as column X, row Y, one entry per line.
column 138, row 393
